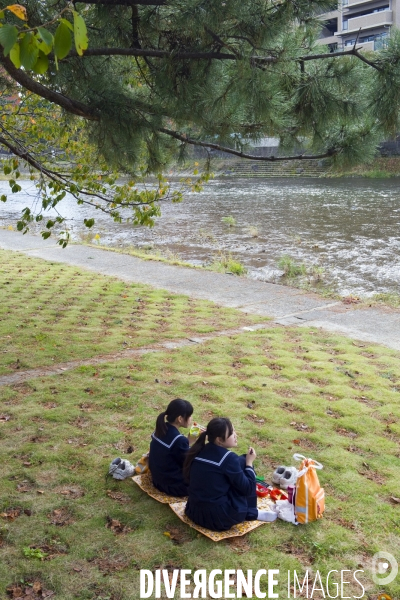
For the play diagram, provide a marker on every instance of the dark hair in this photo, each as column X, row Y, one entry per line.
column 219, row 427
column 176, row 408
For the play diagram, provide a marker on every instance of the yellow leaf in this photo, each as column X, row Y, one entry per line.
column 167, row 533
column 19, row 11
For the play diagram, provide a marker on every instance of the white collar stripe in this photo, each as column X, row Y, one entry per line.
column 163, row 443
column 213, row 462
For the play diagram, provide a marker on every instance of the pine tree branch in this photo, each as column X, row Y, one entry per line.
column 352, row 52
column 221, row 42
column 72, row 106
column 153, row 53
column 187, row 140
column 256, row 60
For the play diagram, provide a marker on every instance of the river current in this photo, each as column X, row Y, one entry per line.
column 347, row 229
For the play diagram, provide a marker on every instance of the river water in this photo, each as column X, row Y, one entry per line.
column 349, row 228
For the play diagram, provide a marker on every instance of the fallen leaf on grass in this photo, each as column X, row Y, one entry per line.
column 4, row 418
column 60, row 517
column 255, row 419
column 395, row 500
column 72, row 493
column 116, row 526
column 119, row 496
column 29, row 591
column 11, row 513
column 23, row 488
column 346, row 432
column 299, row 426
column 177, row 535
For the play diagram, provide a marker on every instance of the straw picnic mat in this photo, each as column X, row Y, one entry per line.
column 235, row 531
column 145, row 483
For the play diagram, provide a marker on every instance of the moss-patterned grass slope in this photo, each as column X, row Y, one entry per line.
column 287, row 390
column 52, row 313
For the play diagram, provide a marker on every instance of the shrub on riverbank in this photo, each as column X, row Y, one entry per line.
column 290, row 267
column 286, row 389
column 225, row 263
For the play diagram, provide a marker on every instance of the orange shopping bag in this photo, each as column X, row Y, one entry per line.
column 310, row 496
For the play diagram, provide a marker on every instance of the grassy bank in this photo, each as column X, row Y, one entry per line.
column 67, row 530
column 380, row 168
column 53, row 313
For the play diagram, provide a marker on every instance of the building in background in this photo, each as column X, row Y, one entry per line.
column 367, row 22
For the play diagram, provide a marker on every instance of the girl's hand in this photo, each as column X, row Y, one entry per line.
column 250, row 456
column 192, row 439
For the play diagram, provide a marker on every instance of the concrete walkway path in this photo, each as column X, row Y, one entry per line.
column 285, row 305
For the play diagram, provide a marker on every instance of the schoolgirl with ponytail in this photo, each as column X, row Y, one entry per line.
column 222, row 485
column 168, row 448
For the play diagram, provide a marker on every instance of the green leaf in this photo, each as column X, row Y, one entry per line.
column 62, row 41
column 80, row 34
column 14, row 56
column 3, row 198
column 47, row 42
column 42, row 63
column 67, row 23
column 28, row 51
column 88, row 222
column 8, row 37
column 7, row 169
column 46, row 234
column 2, row 15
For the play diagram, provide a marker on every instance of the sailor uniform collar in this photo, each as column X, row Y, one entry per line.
column 171, row 430
column 216, row 454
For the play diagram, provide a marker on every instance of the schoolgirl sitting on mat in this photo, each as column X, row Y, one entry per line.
column 222, row 485
column 168, row 448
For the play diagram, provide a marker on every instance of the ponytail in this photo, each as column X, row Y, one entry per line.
column 176, row 408
column 219, row 427
column 161, row 428
column 192, row 453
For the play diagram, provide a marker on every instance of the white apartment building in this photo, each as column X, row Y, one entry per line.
column 367, row 22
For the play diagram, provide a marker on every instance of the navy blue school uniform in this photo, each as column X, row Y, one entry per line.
column 222, row 490
column 166, row 458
